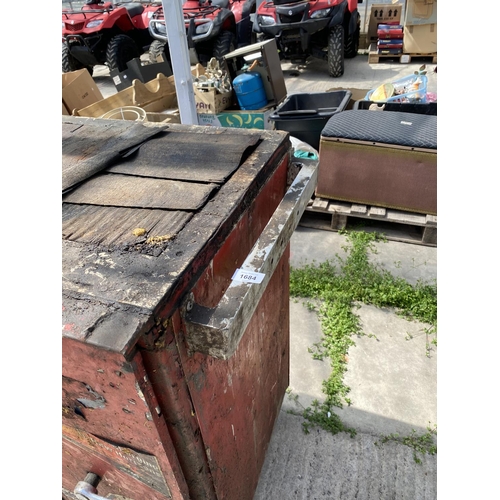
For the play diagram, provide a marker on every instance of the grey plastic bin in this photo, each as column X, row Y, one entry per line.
column 305, row 115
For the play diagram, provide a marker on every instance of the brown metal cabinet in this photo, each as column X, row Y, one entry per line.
column 175, row 356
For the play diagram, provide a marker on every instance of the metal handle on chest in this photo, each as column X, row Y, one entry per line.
column 86, row 489
column 217, row 331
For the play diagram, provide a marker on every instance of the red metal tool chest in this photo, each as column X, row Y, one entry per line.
column 173, row 371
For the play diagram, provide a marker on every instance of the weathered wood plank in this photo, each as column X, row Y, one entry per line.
column 431, row 220
column 140, row 192
column 90, row 147
column 414, row 227
column 340, row 207
column 430, row 235
column 320, row 203
column 405, row 58
column 120, row 226
column 181, row 156
column 339, row 221
column 377, row 212
column 358, row 209
column 405, row 217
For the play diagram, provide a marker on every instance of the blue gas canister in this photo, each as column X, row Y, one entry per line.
column 249, row 90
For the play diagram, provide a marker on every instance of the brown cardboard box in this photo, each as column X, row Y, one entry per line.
column 235, row 118
column 210, row 100
column 154, row 117
column 420, row 12
column 79, row 90
column 382, row 13
column 156, row 95
column 420, row 39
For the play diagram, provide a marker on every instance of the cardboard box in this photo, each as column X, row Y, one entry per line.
column 79, row 90
column 137, row 70
column 165, row 117
column 210, row 100
column 383, row 13
column 269, row 67
column 420, row 39
column 234, row 118
column 157, row 95
column 420, row 12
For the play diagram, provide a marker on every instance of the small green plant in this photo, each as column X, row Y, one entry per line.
column 310, row 306
column 422, row 444
column 318, row 414
column 340, row 287
column 321, row 415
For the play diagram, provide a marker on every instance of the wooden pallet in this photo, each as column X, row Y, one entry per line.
column 396, row 225
column 374, row 57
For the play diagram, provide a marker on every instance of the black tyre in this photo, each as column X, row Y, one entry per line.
column 225, row 43
column 248, row 36
column 352, row 44
column 121, row 49
column 69, row 63
column 336, row 51
column 159, row 48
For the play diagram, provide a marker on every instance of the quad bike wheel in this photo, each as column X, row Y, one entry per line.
column 352, row 44
column 336, row 51
column 159, row 48
column 69, row 63
column 250, row 37
column 225, row 43
column 121, row 49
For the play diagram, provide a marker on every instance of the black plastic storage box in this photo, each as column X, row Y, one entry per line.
column 429, row 108
column 305, row 115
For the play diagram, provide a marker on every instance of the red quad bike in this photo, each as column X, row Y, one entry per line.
column 327, row 29
column 110, row 33
column 213, row 29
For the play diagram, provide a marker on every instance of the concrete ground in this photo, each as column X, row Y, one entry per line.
column 393, row 391
column 392, row 378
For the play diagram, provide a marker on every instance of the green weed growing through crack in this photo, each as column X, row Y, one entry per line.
column 340, row 287
column 421, row 444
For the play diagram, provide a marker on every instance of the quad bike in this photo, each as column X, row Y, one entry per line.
column 327, row 29
column 105, row 33
column 213, row 29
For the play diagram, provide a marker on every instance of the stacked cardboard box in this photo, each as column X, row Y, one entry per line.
column 383, row 14
column 420, row 27
column 390, row 38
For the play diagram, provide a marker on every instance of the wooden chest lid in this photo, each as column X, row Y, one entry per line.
column 145, row 209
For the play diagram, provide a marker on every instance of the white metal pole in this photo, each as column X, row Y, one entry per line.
column 179, row 55
column 366, row 18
